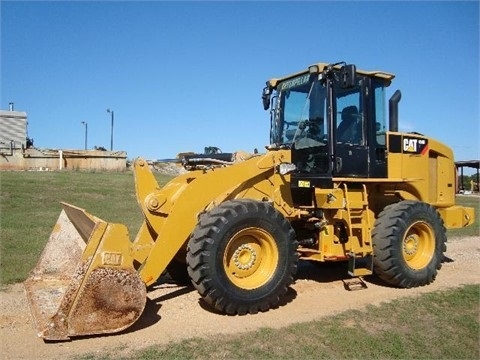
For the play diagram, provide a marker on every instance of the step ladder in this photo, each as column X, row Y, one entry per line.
column 358, row 219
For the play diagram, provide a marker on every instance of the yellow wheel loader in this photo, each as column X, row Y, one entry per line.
column 337, row 182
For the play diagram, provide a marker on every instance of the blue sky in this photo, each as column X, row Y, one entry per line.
column 184, row 75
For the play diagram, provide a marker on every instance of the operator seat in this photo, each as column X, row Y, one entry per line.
column 350, row 128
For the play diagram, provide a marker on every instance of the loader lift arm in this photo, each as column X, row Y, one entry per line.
column 172, row 212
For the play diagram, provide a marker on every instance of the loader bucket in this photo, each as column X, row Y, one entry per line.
column 84, row 282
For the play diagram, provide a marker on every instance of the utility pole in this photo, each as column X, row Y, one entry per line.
column 86, row 133
column 111, row 129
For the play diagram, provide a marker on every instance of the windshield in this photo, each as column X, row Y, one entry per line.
column 299, row 114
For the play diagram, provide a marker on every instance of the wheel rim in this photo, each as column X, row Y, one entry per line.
column 251, row 258
column 418, row 245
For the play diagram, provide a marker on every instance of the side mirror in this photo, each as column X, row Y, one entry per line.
column 266, row 97
column 347, row 76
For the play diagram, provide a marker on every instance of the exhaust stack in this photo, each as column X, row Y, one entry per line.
column 393, row 110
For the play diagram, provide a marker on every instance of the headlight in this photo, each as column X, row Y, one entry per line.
column 285, row 168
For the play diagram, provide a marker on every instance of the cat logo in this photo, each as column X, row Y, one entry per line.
column 415, row 145
column 114, row 259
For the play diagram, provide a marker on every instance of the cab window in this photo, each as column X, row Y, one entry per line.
column 349, row 117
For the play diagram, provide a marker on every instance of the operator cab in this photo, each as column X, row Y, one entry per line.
column 333, row 120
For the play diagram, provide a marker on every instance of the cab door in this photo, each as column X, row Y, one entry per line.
column 351, row 155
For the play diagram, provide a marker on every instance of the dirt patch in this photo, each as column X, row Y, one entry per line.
column 174, row 313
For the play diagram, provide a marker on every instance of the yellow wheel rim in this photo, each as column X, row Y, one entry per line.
column 418, row 245
column 251, row 258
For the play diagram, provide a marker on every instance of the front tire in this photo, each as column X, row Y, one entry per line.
column 408, row 244
column 242, row 256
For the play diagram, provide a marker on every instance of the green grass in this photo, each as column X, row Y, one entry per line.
column 30, row 205
column 438, row 325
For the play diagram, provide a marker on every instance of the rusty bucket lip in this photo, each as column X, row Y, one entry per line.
column 63, row 325
column 114, row 300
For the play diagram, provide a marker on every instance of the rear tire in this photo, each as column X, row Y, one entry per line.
column 242, row 256
column 408, row 244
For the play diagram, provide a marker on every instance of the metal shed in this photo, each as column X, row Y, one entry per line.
column 13, row 129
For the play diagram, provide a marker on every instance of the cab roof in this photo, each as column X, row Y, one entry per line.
column 387, row 77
